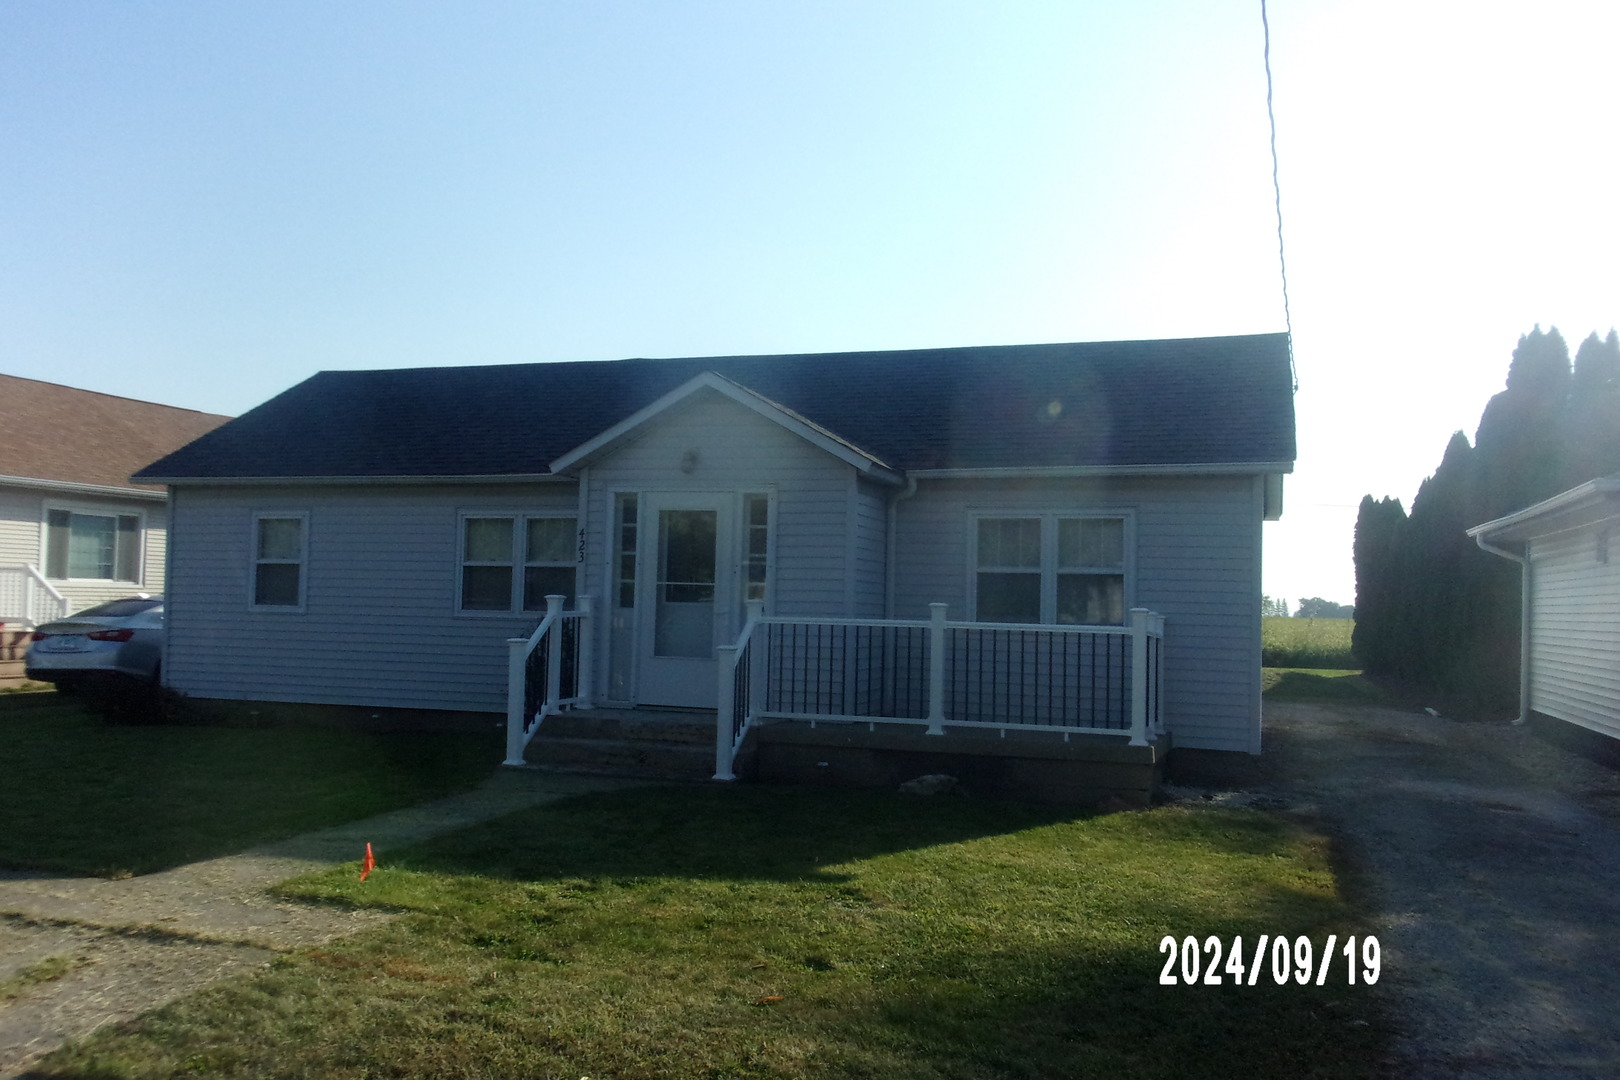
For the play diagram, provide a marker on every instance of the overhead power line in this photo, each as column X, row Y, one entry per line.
column 1276, row 188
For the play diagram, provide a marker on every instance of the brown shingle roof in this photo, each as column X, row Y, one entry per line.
column 54, row 432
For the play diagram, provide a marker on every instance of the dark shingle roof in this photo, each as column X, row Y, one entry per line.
column 1177, row 402
column 60, row 433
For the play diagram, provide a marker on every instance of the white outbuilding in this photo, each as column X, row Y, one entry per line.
column 1569, row 560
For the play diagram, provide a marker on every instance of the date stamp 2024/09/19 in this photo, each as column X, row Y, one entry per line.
column 1189, row 962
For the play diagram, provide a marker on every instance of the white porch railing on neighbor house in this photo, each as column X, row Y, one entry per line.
column 1074, row 679
column 27, row 599
column 546, row 671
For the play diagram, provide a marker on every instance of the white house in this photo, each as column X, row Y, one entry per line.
column 376, row 537
column 1570, row 602
column 74, row 530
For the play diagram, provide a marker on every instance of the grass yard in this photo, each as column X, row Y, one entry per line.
column 714, row 931
column 85, row 796
column 1322, row 685
column 1306, row 643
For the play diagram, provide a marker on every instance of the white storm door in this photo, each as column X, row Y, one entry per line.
column 689, row 578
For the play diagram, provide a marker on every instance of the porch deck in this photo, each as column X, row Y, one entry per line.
column 1033, row 766
column 1068, row 714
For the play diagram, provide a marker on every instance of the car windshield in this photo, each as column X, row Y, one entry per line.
column 119, row 609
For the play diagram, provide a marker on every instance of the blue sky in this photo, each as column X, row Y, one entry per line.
column 204, row 203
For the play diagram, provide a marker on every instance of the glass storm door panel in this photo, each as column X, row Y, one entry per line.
column 684, row 594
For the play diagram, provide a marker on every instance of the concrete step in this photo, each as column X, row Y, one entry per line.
column 633, row 725
column 623, row 757
column 627, row 742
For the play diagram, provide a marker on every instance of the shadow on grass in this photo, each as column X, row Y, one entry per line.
column 1321, row 686
column 748, row 833
column 122, row 796
column 731, row 832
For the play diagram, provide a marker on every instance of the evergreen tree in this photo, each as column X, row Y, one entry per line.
column 1591, row 426
column 1433, row 609
column 1377, row 637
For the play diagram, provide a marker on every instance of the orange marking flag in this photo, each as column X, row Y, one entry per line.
column 369, row 865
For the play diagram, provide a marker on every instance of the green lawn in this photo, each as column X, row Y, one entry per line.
column 1306, row 643
column 1329, row 685
column 743, row 931
column 86, row 796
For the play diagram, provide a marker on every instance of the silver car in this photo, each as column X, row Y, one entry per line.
column 120, row 637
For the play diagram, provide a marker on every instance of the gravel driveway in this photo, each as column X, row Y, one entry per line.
column 1493, row 860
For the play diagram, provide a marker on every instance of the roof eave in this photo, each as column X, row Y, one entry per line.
column 73, row 487
column 278, row 481
column 1234, row 468
column 1580, row 505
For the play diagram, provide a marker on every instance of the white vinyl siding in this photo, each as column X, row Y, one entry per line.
column 380, row 625
column 1575, row 627
column 869, row 571
column 1194, row 558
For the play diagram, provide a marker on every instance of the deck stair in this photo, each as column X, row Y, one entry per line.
column 644, row 743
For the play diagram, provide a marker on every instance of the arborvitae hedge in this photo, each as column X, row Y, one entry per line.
column 1431, row 608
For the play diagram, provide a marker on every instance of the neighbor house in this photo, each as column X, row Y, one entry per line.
column 74, row 530
column 1569, row 602
column 378, row 537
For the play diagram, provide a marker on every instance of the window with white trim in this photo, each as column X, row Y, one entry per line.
column 512, row 563
column 1050, row 568
column 757, row 550
column 104, row 547
column 279, row 548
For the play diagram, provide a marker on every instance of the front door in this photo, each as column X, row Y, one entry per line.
column 689, row 578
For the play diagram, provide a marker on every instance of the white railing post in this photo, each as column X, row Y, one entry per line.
column 725, row 713
column 583, row 643
column 1139, row 643
column 517, row 657
column 554, row 604
column 1158, row 676
column 936, row 669
column 756, row 661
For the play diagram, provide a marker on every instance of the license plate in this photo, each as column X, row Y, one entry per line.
column 62, row 644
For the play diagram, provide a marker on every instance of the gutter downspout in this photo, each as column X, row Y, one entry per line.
column 1524, row 623
column 892, row 554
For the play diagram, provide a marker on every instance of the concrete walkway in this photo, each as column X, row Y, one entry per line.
column 133, row 945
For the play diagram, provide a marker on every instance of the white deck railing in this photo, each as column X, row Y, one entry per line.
column 27, row 599
column 546, row 671
column 1105, row 680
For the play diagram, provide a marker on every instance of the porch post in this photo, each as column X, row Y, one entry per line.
column 554, row 603
column 756, row 660
column 517, row 655
column 725, row 713
column 1139, row 675
column 585, row 643
column 936, row 669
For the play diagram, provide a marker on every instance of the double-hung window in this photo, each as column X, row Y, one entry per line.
column 1050, row 568
column 94, row 546
column 279, row 548
column 512, row 563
